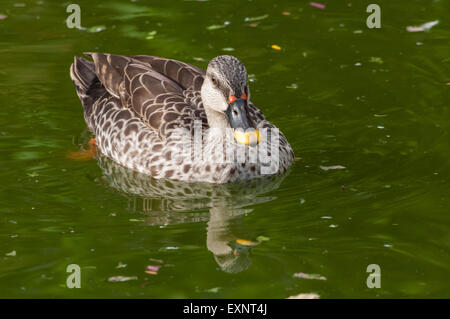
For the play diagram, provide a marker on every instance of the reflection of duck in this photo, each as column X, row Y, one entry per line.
column 231, row 257
column 134, row 106
column 173, row 202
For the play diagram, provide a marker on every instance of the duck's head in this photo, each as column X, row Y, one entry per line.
column 226, row 95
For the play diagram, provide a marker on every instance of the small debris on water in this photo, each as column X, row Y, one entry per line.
column 152, row 269
column 262, row 238
column 11, row 254
column 376, row 59
column 160, row 261
column 311, row 295
column 309, row 276
column 121, row 265
column 318, row 5
column 276, row 47
column 213, row 290
column 215, row 27
column 423, row 27
column 245, row 242
column 135, row 220
column 252, row 19
column 327, row 168
column 121, row 278
column 151, row 35
column 292, row 86
column 96, row 28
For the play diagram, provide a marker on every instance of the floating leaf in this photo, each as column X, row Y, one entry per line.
column 251, row 19
column 376, row 59
column 11, row 254
column 152, row 270
column 134, row 220
column 121, row 278
column 121, row 265
column 310, row 295
column 317, row 5
column 215, row 27
column 327, row 168
column 245, row 242
column 276, row 47
column 96, row 28
column 423, row 27
column 169, row 248
column 81, row 155
column 213, row 290
column 34, row 174
column 286, row 13
column 228, row 49
column 262, row 238
column 156, row 260
column 151, row 35
column 292, row 86
column 309, row 276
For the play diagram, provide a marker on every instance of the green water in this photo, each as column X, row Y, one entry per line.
column 372, row 100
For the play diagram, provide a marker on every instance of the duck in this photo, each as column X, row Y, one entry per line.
column 173, row 120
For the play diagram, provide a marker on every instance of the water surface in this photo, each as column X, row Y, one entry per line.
column 373, row 101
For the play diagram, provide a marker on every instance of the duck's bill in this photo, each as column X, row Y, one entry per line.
column 250, row 138
column 237, row 116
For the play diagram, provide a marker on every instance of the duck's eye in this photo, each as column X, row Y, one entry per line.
column 214, row 81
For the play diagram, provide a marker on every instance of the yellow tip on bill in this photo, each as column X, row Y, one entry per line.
column 247, row 138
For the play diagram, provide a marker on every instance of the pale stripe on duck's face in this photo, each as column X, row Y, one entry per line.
column 225, row 96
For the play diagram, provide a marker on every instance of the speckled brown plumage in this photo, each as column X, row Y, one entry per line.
column 134, row 105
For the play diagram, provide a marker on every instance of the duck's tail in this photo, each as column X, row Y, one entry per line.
column 88, row 86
